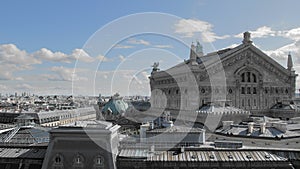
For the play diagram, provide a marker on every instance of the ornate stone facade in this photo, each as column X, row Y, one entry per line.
column 244, row 76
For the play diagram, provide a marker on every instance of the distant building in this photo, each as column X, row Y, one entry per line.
column 206, row 159
column 254, row 81
column 51, row 118
column 163, row 132
column 116, row 106
column 261, row 127
column 285, row 110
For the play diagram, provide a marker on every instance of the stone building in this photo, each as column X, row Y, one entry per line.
column 244, row 75
column 82, row 145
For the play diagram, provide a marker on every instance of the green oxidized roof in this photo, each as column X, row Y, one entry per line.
column 116, row 106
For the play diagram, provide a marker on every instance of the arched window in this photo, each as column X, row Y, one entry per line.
column 248, row 77
column 254, row 77
column 78, row 160
column 98, row 161
column 243, row 77
column 58, row 161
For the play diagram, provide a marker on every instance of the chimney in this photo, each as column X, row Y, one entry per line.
column 227, row 124
column 262, row 128
column 181, row 149
column 143, row 130
column 152, row 148
column 250, row 127
column 247, row 38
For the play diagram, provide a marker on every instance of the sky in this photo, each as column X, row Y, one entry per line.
column 92, row 47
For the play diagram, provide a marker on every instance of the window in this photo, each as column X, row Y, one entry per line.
column 99, row 161
column 78, row 160
column 185, row 91
column 230, row 91
column 58, row 161
column 254, row 78
column 243, row 90
column 202, row 90
column 254, row 102
column 243, row 102
column 248, row 77
column 254, row 90
column 243, row 77
column 248, row 90
column 249, row 102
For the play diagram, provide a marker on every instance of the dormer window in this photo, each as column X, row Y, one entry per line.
column 57, row 161
column 78, row 160
column 99, row 162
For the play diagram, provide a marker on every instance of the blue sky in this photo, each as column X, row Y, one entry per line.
column 40, row 40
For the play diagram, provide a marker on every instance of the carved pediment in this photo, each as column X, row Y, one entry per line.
column 247, row 58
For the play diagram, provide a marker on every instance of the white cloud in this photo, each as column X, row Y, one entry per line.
column 3, row 87
column 81, row 55
column 122, row 58
column 124, row 81
column 189, row 27
column 64, row 74
column 48, row 55
column 102, row 58
column 77, row 54
column 6, row 72
column 281, row 53
column 260, row 32
column 24, row 86
column 138, row 42
column 163, row 46
column 293, row 34
column 265, row 31
column 232, row 46
column 118, row 46
column 10, row 54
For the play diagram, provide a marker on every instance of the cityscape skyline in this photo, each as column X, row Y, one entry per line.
column 45, row 64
